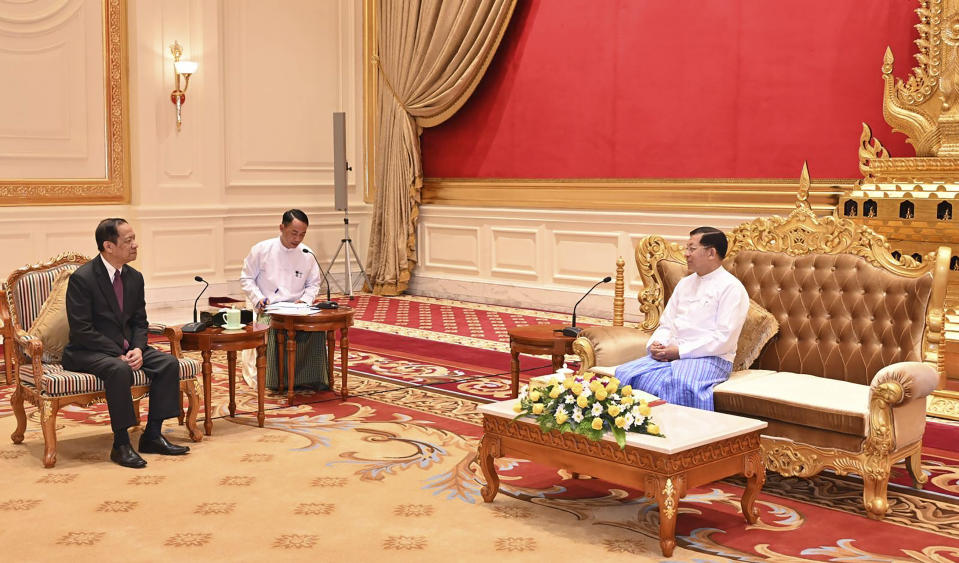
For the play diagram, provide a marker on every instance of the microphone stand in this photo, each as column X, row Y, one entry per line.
column 328, row 304
column 573, row 331
column 197, row 326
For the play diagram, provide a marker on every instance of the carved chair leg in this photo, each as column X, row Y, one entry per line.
column 914, row 467
column 193, row 401
column 16, row 401
column 48, row 421
column 874, row 494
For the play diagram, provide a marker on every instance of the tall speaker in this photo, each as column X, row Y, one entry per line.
column 340, row 166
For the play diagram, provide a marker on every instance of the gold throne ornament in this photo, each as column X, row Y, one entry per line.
column 911, row 200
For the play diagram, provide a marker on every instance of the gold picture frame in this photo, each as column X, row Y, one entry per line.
column 115, row 187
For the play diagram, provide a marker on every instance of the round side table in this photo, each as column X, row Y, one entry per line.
column 216, row 338
column 542, row 340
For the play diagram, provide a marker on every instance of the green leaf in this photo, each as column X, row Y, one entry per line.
column 620, row 436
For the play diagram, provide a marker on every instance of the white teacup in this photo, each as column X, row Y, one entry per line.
column 232, row 317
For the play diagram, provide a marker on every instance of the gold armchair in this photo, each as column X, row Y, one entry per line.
column 844, row 384
column 43, row 381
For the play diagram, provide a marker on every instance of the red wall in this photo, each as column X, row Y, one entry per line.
column 679, row 89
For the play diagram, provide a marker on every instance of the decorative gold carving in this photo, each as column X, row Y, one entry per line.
column 943, row 405
column 669, row 500
column 115, row 188
column 870, row 149
column 619, row 301
column 583, row 348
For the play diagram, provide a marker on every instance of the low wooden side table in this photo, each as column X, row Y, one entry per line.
column 326, row 320
column 216, row 338
column 539, row 340
column 700, row 447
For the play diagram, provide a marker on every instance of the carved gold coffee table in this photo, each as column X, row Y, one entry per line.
column 700, row 447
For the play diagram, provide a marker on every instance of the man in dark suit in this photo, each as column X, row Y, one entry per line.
column 108, row 338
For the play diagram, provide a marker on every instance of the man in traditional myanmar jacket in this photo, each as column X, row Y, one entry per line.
column 277, row 271
column 693, row 349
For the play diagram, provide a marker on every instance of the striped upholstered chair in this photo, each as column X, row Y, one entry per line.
column 44, row 382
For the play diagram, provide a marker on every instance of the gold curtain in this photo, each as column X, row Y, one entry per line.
column 431, row 54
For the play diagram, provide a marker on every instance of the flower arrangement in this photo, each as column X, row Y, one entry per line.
column 587, row 404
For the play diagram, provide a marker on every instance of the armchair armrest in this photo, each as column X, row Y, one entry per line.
column 172, row 333
column 30, row 347
column 904, row 382
column 609, row 346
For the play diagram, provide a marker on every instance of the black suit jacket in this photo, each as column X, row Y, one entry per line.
column 96, row 323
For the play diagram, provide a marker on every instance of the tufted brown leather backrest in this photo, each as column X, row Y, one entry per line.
column 839, row 316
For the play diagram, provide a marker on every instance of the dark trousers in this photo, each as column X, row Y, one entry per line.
column 162, row 369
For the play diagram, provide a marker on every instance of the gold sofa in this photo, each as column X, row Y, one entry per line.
column 844, row 383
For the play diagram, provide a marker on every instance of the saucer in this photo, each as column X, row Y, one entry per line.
column 233, row 327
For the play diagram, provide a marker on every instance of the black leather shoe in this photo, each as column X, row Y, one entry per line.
column 161, row 445
column 125, row 456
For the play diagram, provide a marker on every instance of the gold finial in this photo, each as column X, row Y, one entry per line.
column 802, row 197
column 887, row 61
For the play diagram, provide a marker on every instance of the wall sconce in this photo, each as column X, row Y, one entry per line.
column 184, row 69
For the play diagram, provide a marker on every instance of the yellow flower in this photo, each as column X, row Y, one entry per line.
column 553, row 381
column 594, row 385
column 582, row 401
column 612, row 386
column 517, row 407
column 626, row 401
column 626, row 391
column 601, row 394
column 568, row 382
column 620, row 421
column 538, row 408
column 534, row 396
column 613, row 410
column 597, row 423
column 561, row 418
column 554, row 392
column 644, row 409
column 576, row 388
column 652, row 428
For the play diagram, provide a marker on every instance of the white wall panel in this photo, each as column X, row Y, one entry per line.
column 515, row 253
column 582, row 256
column 452, row 248
column 51, row 55
column 182, row 253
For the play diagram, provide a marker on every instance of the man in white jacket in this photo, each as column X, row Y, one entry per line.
column 278, row 271
column 693, row 349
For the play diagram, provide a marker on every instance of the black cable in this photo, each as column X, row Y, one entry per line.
column 371, row 393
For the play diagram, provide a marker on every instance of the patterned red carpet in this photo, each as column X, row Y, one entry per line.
column 391, row 473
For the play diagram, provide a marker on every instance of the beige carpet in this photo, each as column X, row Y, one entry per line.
column 382, row 479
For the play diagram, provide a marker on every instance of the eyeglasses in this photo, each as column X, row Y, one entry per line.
column 690, row 249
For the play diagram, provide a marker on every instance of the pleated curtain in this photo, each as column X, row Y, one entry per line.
column 431, row 55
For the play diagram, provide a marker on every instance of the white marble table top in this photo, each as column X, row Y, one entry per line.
column 685, row 427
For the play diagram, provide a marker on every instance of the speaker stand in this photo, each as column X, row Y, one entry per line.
column 346, row 245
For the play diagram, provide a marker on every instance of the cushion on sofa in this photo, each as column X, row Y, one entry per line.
column 51, row 325
column 760, row 326
column 796, row 398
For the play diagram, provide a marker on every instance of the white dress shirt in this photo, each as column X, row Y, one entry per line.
column 704, row 316
column 279, row 274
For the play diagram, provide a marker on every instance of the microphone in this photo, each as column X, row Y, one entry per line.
column 197, row 326
column 574, row 330
column 328, row 304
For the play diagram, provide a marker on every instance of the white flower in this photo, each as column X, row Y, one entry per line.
column 597, row 409
column 577, row 415
column 569, row 400
column 635, row 412
column 562, row 411
column 629, row 419
column 587, row 392
column 523, row 392
column 614, row 397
